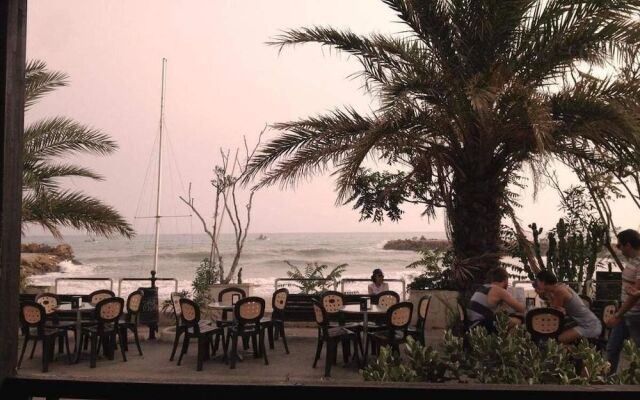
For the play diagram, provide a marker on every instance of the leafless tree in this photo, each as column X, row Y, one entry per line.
column 227, row 186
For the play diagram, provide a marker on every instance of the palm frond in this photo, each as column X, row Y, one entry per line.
column 44, row 176
column 40, row 81
column 56, row 136
column 74, row 210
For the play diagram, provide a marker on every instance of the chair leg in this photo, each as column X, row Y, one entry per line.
column 318, row 352
column 185, row 346
column 176, row 341
column 24, row 348
column 284, row 338
column 216, row 344
column 346, row 350
column 234, row 350
column 60, row 344
column 123, row 344
column 203, row 343
column 254, row 343
column 66, row 345
column 332, row 348
column 137, row 339
column 33, row 349
column 263, row 348
column 94, row 351
column 270, row 330
column 46, row 352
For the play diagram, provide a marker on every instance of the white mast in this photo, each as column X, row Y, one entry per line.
column 157, row 216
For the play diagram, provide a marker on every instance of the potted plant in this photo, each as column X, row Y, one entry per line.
column 439, row 279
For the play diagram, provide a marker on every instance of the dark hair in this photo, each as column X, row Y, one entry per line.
column 630, row 236
column 547, row 277
column 497, row 274
column 376, row 272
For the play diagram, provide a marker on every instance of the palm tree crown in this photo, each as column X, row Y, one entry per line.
column 469, row 97
column 44, row 202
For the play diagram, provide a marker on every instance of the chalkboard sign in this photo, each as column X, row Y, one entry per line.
column 149, row 306
column 608, row 285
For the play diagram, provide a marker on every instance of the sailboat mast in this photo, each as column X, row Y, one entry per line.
column 157, row 216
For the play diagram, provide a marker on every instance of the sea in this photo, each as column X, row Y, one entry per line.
column 119, row 260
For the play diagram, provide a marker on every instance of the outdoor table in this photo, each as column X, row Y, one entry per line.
column 86, row 308
column 354, row 309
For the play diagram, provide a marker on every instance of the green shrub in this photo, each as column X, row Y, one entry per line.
column 631, row 374
column 207, row 274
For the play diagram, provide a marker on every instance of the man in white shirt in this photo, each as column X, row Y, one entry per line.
column 626, row 321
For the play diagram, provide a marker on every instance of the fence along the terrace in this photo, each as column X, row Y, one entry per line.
column 58, row 280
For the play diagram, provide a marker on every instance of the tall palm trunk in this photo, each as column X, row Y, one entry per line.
column 475, row 219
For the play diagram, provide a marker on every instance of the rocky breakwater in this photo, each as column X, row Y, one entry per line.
column 417, row 244
column 37, row 258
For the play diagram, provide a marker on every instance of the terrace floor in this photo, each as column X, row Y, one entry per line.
column 154, row 365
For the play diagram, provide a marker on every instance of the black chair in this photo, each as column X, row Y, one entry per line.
column 50, row 303
column 99, row 295
column 105, row 332
column 387, row 298
column 33, row 316
column 229, row 296
column 608, row 311
column 204, row 333
column 129, row 321
column 398, row 318
column 418, row 332
column 544, row 324
column 332, row 335
column 181, row 328
column 248, row 313
column 276, row 321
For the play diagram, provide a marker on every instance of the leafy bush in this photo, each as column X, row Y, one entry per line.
column 207, row 274
column 504, row 358
column 314, row 278
column 631, row 374
column 436, row 272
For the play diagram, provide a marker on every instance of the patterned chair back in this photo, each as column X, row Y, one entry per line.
column 226, row 295
column 32, row 315
column 109, row 310
column 99, row 295
column 49, row 301
column 249, row 310
column 388, row 298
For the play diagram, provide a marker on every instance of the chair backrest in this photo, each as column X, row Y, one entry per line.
column 32, row 315
column 319, row 313
column 190, row 312
column 134, row 301
column 423, row 310
column 249, row 310
column 109, row 310
column 49, row 301
column 332, row 301
column 175, row 305
column 608, row 311
column 399, row 316
column 544, row 323
column 99, row 295
column 279, row 302
column 226, row 295
column 388, row 298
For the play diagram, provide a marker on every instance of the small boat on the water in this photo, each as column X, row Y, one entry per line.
column 262, row 237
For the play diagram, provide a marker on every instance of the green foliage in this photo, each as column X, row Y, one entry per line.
column 315, row 278
column 423, row 364
column 206, row 275
column 501, row 358
column 631, row 374
column 24, row 280
column 435, row 271
column 46, row 143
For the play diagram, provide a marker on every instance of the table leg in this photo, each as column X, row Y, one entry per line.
column 78, row 345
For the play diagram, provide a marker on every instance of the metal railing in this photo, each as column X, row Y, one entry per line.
column 84, row 279
column 404, row 285
column 175, row 282
column 278, row 285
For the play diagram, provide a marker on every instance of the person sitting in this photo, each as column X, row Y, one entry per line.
column 565, row 299
column 377, row 284
column 484, row 303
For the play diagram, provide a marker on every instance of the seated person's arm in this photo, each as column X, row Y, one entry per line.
column 509, row 300
column 370, row 289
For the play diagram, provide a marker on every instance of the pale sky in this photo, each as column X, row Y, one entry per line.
column 222, row 82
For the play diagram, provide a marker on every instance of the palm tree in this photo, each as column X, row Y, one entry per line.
column 472, row 96
column 48, row 140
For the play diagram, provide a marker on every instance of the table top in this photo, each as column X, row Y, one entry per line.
column 67, row 307
column 216, row 305
column 355, row 309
